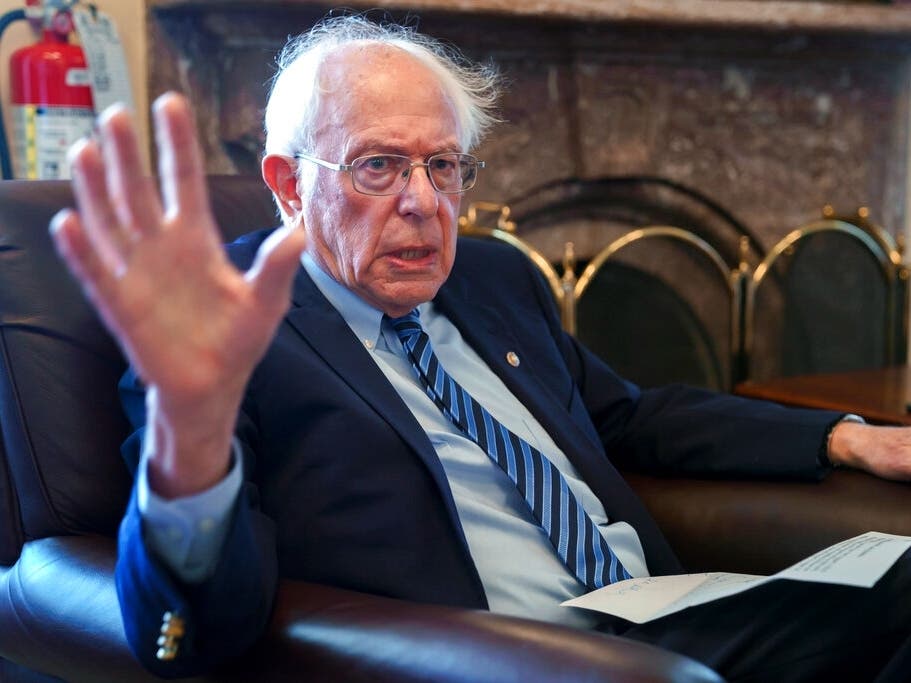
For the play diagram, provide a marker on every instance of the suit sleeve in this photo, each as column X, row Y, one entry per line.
column 686, row 431
column 220, row 616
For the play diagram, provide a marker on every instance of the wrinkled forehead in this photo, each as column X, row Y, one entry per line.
column 361, row 82
column 365, row 62
column 360, row 60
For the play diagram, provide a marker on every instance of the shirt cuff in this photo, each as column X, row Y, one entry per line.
column 187, row 533
column 824, row 451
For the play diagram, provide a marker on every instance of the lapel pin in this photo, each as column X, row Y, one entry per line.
column 513, row 359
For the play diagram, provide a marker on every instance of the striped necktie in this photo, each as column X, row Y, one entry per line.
column 570, row 530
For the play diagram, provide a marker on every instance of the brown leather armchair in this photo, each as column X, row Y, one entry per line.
column 63, row 488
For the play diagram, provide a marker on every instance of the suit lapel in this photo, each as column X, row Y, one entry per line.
column 484, row 330
column 327, row 333
column 489, row 333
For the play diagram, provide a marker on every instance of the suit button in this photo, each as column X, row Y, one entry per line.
column 172, row 630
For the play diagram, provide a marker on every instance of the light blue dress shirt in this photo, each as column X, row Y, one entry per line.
column 521, row 573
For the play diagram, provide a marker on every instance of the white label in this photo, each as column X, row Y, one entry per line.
column 76, row 77
column 43, row 135
column 105, row 58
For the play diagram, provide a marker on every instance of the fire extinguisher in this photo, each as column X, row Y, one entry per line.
column 51, row 94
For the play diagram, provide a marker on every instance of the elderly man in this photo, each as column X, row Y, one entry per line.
column 412, row 425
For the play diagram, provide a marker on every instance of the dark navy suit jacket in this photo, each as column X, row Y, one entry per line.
column 343, row 486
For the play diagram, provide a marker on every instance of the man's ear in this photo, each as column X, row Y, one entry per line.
column 279, row 174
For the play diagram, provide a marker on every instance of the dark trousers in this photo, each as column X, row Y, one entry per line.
column 795, row 631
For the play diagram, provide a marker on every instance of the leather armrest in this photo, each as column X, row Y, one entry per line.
column 59, row 614
column 761, row 527
column 59, row 611
column 341, row 635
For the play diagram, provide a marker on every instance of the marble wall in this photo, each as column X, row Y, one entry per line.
column 769, row 120
column 771, row 124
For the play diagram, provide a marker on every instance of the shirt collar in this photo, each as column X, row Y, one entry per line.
column 363, row 319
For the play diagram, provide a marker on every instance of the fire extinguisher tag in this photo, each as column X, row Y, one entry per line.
column 104, row 56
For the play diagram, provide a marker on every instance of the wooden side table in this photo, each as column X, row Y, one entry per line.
column 880, row 396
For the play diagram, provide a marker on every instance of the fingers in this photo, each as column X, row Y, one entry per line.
column 276, row 263
column 80, row 255
column 99, row 222
column 180, row 165
column 133, row 193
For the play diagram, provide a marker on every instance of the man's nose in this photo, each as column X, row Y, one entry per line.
column 419, row 197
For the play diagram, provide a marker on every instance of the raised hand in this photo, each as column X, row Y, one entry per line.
column 191, row 324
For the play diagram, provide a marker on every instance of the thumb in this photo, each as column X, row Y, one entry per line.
column 276, row 262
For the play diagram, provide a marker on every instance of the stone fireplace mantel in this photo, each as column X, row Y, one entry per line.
column 774, row 109
column 733, row 14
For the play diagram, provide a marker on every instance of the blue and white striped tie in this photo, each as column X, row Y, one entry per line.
column 571, row 531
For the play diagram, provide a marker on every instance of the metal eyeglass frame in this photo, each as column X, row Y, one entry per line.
column 349, row 168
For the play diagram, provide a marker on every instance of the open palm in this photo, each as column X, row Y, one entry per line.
column 191, row 324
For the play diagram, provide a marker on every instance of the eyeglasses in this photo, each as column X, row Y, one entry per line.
column 385, row 174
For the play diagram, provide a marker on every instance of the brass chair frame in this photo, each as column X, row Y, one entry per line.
column 880, row 246
column 742, row 279
column 567, row 288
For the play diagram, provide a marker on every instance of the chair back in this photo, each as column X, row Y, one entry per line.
column 61, row 425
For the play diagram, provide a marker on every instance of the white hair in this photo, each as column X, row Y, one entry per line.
column 294, row 99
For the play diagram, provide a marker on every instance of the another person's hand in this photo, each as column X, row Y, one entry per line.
column 153, row 266
column 883, row 451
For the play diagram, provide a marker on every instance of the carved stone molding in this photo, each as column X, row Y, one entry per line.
column 772, row 108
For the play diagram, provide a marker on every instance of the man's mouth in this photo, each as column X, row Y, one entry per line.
column 412, row 254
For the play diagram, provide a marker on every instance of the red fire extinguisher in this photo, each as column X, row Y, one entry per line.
column 51, row 95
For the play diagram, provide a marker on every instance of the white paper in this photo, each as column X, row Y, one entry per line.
column 859, row 561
